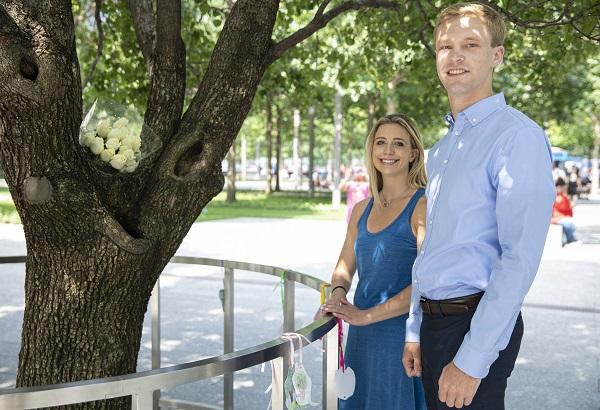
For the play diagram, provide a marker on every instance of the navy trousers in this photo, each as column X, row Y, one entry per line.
column 441, row 338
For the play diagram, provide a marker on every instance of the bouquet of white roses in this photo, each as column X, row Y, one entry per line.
column 116, row 142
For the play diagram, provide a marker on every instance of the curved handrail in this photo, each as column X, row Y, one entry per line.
column 167, row 377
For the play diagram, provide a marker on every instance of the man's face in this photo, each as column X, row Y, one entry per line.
column 465, row 59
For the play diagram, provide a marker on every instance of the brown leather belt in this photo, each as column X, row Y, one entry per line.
column 450, row 307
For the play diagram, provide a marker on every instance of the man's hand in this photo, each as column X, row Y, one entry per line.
column 456, row 388
column 347, row 312
column 411, row 359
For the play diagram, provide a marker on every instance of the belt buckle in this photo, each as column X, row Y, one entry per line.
column 428, row 310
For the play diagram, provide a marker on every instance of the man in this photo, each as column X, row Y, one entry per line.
column 490, row 196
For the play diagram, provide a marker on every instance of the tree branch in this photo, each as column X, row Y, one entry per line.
column 167, row 82
column 427, row 25
column 321, row 19
column 536, row 24
column 143, row 22
column 98, row 20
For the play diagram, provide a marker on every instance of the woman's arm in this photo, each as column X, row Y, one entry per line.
column 396, row 305
column 346, row 264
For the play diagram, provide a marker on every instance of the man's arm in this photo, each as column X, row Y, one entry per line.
column 525, row 194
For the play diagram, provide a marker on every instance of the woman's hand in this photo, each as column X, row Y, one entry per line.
column 335, row 298
column 346, row 311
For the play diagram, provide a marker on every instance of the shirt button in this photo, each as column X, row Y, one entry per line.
column 422, row 252
column 430, row 222
column 415, row 281
column 474, row 119
column 445, row 161
column 456, row 133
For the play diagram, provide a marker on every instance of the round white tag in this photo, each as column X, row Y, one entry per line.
column 344, row 383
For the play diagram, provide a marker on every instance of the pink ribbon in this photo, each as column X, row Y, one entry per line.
column 340, row 341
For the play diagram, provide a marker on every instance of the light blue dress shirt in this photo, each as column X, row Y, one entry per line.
column 489, row 204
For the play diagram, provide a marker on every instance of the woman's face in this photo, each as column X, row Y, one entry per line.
column 392, row 152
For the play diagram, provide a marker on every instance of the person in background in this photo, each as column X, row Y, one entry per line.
column 382, row 239
column 574, row 184
column 562, row 212
column 356, row 186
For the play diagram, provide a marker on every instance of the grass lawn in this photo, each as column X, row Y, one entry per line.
column 249, row 204
column 278, row 205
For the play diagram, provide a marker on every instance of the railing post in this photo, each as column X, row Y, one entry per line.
column 289, row 310
column 277, row 379
column 142, row 401
column 330, row 365
column 155, row 337
column 228, row 333
column 289, row 319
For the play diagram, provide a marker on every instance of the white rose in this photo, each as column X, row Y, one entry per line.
column 87, row 140
column 118, row 161
column 133, row 142
column 103, row 128
column 97, row 145
column 126, row 152
column 121, row 123
column 113, row 143
column 118, row 133
column 130, row 165
column 107, row 154
column 84, row 135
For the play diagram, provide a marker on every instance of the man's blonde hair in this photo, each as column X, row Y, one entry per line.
column 492, row 19
column 416, row 169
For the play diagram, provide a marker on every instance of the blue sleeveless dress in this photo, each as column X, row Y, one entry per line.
column 384, row 263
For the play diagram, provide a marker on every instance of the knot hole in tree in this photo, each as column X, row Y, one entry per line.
column 28, row 68
column 187, row 160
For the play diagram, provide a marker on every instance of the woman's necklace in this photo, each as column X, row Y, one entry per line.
column 387, row 203
column 384, row 201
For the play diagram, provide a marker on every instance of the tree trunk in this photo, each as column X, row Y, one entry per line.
column 296, row 150
column 336, row 196
column 311, row 150
column 277, row 147
column 269, row 136
column 371, row 113
column 231, row 174
column 244, row 157
column 98, row 239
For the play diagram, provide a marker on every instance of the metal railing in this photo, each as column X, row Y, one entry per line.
column 144, row 387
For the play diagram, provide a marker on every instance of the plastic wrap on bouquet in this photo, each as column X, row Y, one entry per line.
column 116, row 135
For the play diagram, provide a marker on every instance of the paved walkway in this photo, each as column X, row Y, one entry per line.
column 559, row 362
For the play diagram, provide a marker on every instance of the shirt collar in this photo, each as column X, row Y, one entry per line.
column 477, row 112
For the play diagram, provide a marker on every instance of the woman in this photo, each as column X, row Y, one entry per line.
column 383, row 236
column 356, row 187
column 562, row 212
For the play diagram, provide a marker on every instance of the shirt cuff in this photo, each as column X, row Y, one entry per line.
column 473, row 362
column 413, row 328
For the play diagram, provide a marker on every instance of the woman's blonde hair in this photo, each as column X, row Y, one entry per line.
column 416, row 169
column 491, row 18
